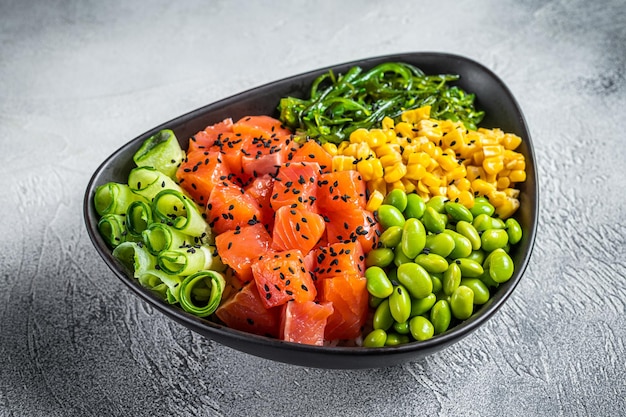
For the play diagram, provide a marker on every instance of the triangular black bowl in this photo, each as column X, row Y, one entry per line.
column 492, row 96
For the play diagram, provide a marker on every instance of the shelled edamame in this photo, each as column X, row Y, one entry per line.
column 437, row 263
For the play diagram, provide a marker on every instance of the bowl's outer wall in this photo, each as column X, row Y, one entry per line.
column 501, row 111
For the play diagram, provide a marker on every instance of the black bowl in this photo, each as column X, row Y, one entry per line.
column 502, row 111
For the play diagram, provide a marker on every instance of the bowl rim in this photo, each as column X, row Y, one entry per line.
column 232, row 337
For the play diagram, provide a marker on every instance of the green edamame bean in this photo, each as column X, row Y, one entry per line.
column 396, row 198
column 478, row 256
column 375, row 338
column 469, row 268
column 451, row 278
column 400, row 304
column 413, row 237
column 440, row 243
column 415, row 279
column 401, row 328
column 466, row 229
column 458, row 211
column 399, row 256
column 391, row 237
column 437, row 202
column 395, row 339
column 493, row 239
column 484, row 222
column 434, row 221
column 440, row 316
column 421, row 328
column 415, row 206
column 487, row 280
column 381, row 257
column 378, row 284
column 432, row 262
column 437, row 281
column 500, row 266
column 462, row 245
column 482, row 206
column 514, row 230
column 382, row 318
column 389, row 215
column 462, row 302
column 479, row 288
column 420, row 306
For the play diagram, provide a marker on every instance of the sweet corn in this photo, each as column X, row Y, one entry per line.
column 507, row 208
column 370, row 169
column 394, row 172
column 375, row 200
column 343, row 163
column 434, row 157
column 518, row 175
column 331, row 148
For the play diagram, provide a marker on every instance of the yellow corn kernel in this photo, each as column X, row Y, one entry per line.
column 390, row 159
column 466, row 198
column 502, row 183
column 409, row 150
column 409, row 186
column 517, row 176
column 430, row 180
column 493, row 165
column 359, row 135
column 414, row 116
column 507, row 208
column 370, row 169
column 387, row 149
column 422, row 189
column 343, row 163
column 387, row 123
column 453, row 192
column 511, row 141
column 331, row 148
column 377, row 184
column 519, row 164
column 457, row 173
column 394, row 172
column 482, row 187
column 474, row 172
column 493, row 150
column 375, row 200
column 415, row 171
column 430, row 129
column 504, row 173
column 432, row 165
column 439, row 191
column 447, row 161
column 376, row 138
column 453, row 139
column 465, row 151
column 342, row 146
column 428, row 148
column 491, row 178
column 511, row 192
column 497, row 198
column 463, row 184
column 405, row 130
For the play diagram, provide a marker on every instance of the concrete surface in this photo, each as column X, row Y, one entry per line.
column 80, row 78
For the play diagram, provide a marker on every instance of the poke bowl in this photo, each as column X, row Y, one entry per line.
column 406, row 335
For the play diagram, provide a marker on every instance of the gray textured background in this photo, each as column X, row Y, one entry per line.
column 79, row 79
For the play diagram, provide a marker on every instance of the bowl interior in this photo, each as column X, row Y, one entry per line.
column 492, row 96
